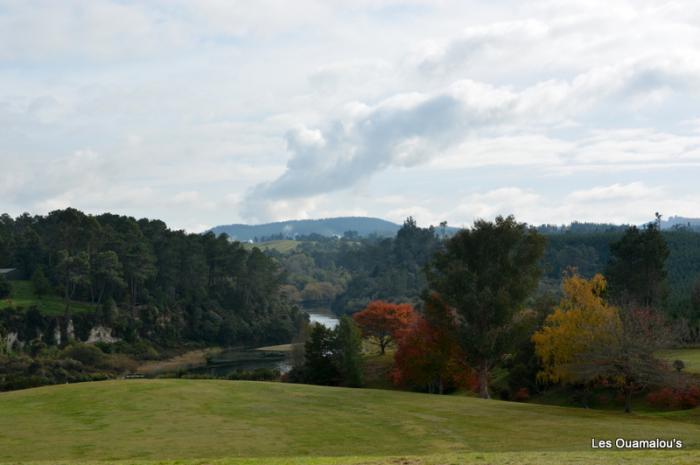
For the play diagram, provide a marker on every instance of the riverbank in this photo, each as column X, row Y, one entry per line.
column 187, row 361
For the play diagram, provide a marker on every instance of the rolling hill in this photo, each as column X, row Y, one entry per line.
column 229, row 422
column 325, row 227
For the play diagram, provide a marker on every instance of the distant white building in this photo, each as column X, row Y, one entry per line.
column 10, row 273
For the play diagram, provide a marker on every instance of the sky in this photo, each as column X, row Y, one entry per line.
column 215, row 112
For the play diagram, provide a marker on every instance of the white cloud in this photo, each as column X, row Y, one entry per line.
column 215, row 111
column 634, row 190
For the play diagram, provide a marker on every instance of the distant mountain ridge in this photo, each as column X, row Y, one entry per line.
column 367, row 226
column 364, row 226
column 680, row 221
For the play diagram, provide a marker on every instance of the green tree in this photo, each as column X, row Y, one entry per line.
column 636, row 271
column 41, row 284
column 5, row 288
column 73, row 271
column 139, row 264
column 695, row 300
column 485, row 274
column 349, row 352
column 319, row 365
column 29, row 250
column 106, row 275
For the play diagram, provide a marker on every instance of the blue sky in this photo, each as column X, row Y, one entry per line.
column 210, row 112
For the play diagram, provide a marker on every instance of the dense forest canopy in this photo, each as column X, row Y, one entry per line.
column 145, row 280
column 350, row 271
column 153, row 289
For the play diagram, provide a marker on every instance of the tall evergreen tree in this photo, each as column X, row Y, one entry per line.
column 349, row 352
column 636, row 271
column 319, row 366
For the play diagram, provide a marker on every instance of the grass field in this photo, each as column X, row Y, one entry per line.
column 691, row 358
column 22, row 295
column 226, row 422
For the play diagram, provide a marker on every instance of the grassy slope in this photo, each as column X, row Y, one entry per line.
column 185, row 419
column 691, row 358
column 23, row 296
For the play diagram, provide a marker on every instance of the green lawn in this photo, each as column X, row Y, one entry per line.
column 227, row 422
column 691, row 358
column 23, row 296
column 469, row 458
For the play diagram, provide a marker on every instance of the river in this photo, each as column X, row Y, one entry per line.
column 323, row 316
column 248, row 359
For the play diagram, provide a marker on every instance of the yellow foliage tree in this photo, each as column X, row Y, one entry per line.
column 581, row 322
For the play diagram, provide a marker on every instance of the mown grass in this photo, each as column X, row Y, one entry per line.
column 248, row 422
column 473, row 458
column 23, row 296
column 691, row 358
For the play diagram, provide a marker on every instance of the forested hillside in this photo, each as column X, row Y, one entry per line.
column 141, row 280
column 589, row 253
column 347, row 273
column 136, row 287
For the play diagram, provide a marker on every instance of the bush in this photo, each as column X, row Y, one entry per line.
column 122, row 363
column 41, row 284
column 669, row 398
column 522, row 395
column 678, row 365
column 140, row 350
column 259, row 374
column 86, row 354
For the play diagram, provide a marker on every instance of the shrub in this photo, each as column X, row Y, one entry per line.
column 86, row 354
column 678, row 365
column 521, row 395
column 670, row 398
column 41, row 284
column 259, row 374
column 140, row 350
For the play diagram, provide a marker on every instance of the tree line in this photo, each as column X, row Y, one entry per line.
column 349, row 272
column 484, row 308
column 147, row 281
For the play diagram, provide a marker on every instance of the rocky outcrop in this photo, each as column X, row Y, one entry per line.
column 101, row 334
column 12, row 342
column 70, row 330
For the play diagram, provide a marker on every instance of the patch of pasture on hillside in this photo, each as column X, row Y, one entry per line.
column 689, row 356
column 23, row 296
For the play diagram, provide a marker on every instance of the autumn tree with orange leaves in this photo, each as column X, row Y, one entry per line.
column 429, row 357
column 384, row 321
